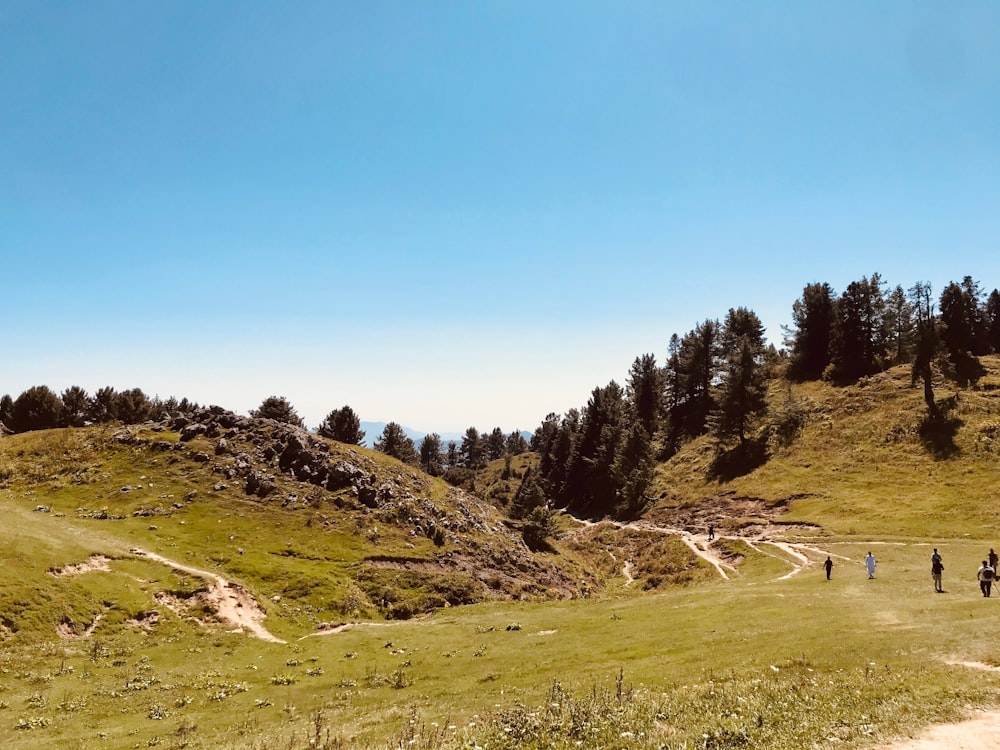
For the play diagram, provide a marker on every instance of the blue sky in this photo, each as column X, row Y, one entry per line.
column 450, row 214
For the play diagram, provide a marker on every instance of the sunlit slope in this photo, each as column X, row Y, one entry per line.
column 404, row 544
column 865, row 462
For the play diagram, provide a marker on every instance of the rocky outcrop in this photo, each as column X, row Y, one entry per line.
column 270, row 459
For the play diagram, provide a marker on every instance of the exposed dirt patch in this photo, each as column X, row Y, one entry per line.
column 732, row 514
column 70, row 630
column 91, row 564
column 222, row 601
column 982, row 732
column 144, row 620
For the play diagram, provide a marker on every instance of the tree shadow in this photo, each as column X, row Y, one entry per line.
column 937, row 431
column 738, row 461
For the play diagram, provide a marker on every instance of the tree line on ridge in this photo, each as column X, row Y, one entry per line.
column 598, row 460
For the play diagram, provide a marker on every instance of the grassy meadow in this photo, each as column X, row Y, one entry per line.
column 774, row 657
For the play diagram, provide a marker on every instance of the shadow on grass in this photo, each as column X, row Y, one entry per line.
column 738, row 461
column 937, row 431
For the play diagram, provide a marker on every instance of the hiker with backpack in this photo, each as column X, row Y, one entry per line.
column 986, row 575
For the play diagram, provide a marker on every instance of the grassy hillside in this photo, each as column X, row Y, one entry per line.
column 618, row 636
column 864, row 463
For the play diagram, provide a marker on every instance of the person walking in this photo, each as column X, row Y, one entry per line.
column 937, row 568
column 986, row 574
column 829, row 566
column 870, row 564
column 993, row 560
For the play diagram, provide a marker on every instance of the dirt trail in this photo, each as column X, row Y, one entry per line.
column 233, row 603
column 982, row 732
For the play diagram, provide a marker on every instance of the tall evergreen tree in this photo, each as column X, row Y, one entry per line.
column 860, row 330
column 633, row 471
column 74, row 401
column 530, row 495
column 431, row 457
column 811, row 336
column 900, row 326
column 472, row 449
column 645, row 392
column 396, row 443
column 959, row 323
column 342, row 425
column 452, row 457
column 556, row 455
column 698, row 366
column 742, row 395
column 6, row 410
column 494, row 444
column 515, row 444
column 590, row 486
column 975, row 305
column 993, row 321
column 103, row 406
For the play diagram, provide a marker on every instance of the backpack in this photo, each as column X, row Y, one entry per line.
column 988, row 574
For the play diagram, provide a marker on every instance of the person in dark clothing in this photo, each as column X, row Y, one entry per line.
column 937, row 568
column 986, row 575
column 829, row 566
column 993, row 559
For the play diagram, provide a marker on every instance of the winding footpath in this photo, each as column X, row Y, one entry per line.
column 233, row 603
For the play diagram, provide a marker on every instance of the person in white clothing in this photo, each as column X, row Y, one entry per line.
column 870, row 564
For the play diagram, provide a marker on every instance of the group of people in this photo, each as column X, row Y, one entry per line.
column 986, row 574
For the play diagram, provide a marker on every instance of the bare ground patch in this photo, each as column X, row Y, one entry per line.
column 90, row 565
column 69, row 630
column 221, row 601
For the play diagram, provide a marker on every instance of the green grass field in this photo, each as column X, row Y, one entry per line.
column 764, row 659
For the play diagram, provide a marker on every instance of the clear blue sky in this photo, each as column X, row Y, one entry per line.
column 450, row 213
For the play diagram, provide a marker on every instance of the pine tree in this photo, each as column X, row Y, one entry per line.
column 993, row 321
column 74, row 401
column 900, row 327
column 472, row 449
column 859, row 342
column 697, row 367
column 515, row 444
column 590, row 485
column 431, row 458
column 103, row 406
column 37, row 408
column 396, row 443
column 530, row 495
column 494, row 444
column 811, row 338
column 959, row 323
column 645, row 392
column 742, row 395
column 132, row 406
column 452, row 456
column 279, row 409
column 342, row 425
column 633, row 472
column 6, row 410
